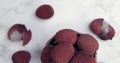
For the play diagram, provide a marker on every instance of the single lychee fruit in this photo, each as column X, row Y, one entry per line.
column 88, row 44
column 19, row 32
column 66, row 36
column 45, row 11
column 18, row 28
column 82, row 57
column 45, row 55
column 102, row 29
column 62, row 53
column 21, row 57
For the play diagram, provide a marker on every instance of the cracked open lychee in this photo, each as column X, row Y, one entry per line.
column 21, row 57
column 62, row 53
column 19, row 32
column 45, row 11
column 88, row 44
column 104, row 30
column 65, row 36
column 82, row 57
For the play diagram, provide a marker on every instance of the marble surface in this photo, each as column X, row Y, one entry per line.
column 73, row 14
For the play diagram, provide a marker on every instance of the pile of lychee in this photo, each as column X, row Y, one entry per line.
column 69, row 46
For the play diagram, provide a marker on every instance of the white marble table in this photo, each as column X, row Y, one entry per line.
column 73, row 14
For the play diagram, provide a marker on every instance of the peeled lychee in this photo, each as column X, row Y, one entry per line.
column 62, row 53
column 82, row 57
column 66, row 35
column 21, row 57
column 19, row 32
column 102, row 29
column 45, row 11
column 45, row 56
column 88, row 44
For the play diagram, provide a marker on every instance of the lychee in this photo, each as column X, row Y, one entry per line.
column 88, row 44
column 102, row 29
column 21, row 57
column 45, row 55
column 62, row 53
column 82, row 57
column 45, row 11
column 19, row 32
column 66, row 35
column 16, row 27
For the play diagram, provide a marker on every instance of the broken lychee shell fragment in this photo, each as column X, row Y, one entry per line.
column 19, row 32
column 21, row 57
column 27, row 37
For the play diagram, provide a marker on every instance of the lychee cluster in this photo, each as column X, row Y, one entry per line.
column 68, row 46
